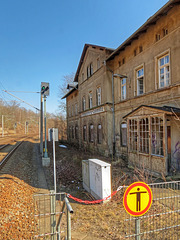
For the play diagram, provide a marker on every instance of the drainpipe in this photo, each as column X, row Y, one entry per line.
column 113, row 111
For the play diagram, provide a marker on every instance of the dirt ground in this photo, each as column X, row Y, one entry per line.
column 98, row 221
column 19, row 181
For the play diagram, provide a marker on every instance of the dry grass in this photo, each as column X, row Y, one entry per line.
column 102, row 221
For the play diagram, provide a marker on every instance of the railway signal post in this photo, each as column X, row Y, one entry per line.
column 45, row 93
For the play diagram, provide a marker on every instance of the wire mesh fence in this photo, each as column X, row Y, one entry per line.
column 162, row 221
column 47, row 212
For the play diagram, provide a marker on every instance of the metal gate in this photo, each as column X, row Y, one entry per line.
column 52, row 216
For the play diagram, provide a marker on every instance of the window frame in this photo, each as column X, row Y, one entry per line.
column 123, row 86
column 85, row 133
column 76, row 109
column 164, row 74
column 98, row 63
column 91, row 133
column 99, row 133
column 98, row 96
column 140, row 90
column 123, row 134
column 83, row 103
column 142, row 136
column 76, row 132
column 89, row 70
column 90, row 100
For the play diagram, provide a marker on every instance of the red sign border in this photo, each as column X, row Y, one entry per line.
column 136, row 184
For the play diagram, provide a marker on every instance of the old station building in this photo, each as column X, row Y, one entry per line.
column 126, row 102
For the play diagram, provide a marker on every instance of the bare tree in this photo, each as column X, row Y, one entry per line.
column 67, row 79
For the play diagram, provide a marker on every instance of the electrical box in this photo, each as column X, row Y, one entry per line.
column 85, row 175
column 50, row 134
column 97, row 177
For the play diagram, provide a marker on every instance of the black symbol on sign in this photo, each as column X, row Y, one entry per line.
column 138, row 199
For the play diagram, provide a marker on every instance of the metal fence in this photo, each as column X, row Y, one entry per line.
column 162, row 221
column 51, row 219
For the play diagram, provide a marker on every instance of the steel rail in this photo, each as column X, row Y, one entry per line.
column 3, row 162
column 5, row 145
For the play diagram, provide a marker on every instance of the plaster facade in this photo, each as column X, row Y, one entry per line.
column 145, row 72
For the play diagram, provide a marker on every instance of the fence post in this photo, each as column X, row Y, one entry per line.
column 68, row 225
column 53, row 215
column 137, row 228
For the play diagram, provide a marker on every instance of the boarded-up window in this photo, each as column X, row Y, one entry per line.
column 99, row 134
column 76, row 132
column 84, row 133
column 123, row 134
column 72, row 132
column 91, row 135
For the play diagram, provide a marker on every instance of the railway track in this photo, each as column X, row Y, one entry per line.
column 6, row 150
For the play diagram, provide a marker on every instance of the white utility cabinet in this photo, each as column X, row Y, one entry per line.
column 99, row 178
column 85, row 175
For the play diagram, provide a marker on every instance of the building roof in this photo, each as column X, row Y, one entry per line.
column 165, row 109
column 71, row 91
column 83, row 55
column 151, row 21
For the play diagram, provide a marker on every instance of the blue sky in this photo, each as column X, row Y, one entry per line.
column 42, row 40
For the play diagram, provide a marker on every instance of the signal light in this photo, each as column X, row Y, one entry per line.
column 45, row 88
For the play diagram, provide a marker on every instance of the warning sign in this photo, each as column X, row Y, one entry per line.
column 137, row 199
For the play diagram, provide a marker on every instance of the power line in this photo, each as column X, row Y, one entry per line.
column 21, row 100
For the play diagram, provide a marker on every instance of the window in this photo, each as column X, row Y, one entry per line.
column 140, row 49
column 91, row 137
column 99, row 134
column 140, row 81
column 164, row 71
column 84, row 133
column 82, row 77
column 123, row 134
column 72, row 110
column 123, row 61
column 90, row 99
column 144, row 135
column 76, row 132
column 123, row 89
column 69, row 109
column 165, row 32
column 72, row 132
column 157, row 136
column 139, row 132
column 89, row 70
column 76, row 109
column 98, row 63
column 133, row 135
column 158, row 37
column 69, row 133
column 98, row 96
column 83, row 103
